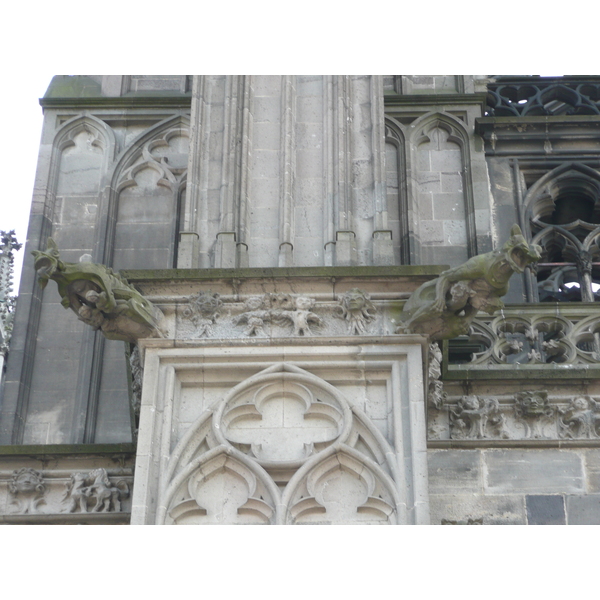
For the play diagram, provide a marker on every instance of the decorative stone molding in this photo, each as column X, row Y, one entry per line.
column 476, row 418
column 203, row 311
column 282, row 427
column 356, row 308
column 100, row 298
column 27, row 488
column 547, row 336
column 527, row 415
column 533, row 409
column 95, row 490
column 435, row 394
column 581, row 419
column 256, row 314
column 280, row 309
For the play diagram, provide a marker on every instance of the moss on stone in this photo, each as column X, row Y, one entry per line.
column 278, row 272
column 73, row 86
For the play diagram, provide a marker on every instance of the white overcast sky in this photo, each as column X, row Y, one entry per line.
column 63, row 39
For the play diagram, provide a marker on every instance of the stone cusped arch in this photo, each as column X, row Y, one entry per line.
column 281, row 429
column 562, row 213
column 441, row 202
column 146, row 198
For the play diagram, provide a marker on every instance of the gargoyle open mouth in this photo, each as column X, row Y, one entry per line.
column 519, row 258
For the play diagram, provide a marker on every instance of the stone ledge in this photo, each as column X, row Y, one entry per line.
column 281, row 272
column 51, row 450
column 522, row 444
column 67, row 519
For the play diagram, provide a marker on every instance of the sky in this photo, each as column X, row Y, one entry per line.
column 315, row 40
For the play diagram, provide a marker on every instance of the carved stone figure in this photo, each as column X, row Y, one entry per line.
column 357, row 309
column 94, row 487
column 27, row 488
column 581, row 419
column 471, row 417
column 436, row 394
column 445, row 307
column 101, row 298
column 532, row 409
column 301, row 316
column 203, row 311
column 255, row 316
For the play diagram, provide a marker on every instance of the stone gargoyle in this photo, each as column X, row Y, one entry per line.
column 444, row 308
column 101, row 298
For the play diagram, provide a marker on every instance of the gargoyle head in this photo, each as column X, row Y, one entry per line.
column 518, row 252
column 47, row 263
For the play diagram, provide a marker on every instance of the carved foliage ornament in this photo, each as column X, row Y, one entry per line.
column 528, row 415
column 100, row 298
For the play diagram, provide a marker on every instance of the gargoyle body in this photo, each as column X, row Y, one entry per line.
column 101, row 298
column 444, row 308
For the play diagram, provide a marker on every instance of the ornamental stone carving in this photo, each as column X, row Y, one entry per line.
column 445, row 307
column 27, row 489
column 100, row 298
column 357, row 310
column 436, row 395
column 532, row 409
column 526, row 415
column 282, row 447
column 203, row 310
column 257, row 313
column 581, row 419
column 300, row 315
column 475, row 416
column 94, row 490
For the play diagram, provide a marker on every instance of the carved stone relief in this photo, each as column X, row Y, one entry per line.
column 357, row 310
column 203, row 311
column 527, row 415
column 581, row 419
column 27, row 488
column 94, row 490
column 536, row 339
column 282, row 447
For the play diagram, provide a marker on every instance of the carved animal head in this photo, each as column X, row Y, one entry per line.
column 47, row 263
column 518, row 252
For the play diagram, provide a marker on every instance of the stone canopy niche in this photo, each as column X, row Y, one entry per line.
column 288, row 432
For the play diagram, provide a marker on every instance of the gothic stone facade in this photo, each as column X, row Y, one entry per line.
column 279, row 223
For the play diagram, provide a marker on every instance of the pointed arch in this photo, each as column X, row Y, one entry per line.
column 396, row 189
column 255, row 494
column 144, row 198
column 370, row 494
column 440, row 185
column 562, row 211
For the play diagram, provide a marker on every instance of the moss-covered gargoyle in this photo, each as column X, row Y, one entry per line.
column 444, row 308
column 101, row 298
